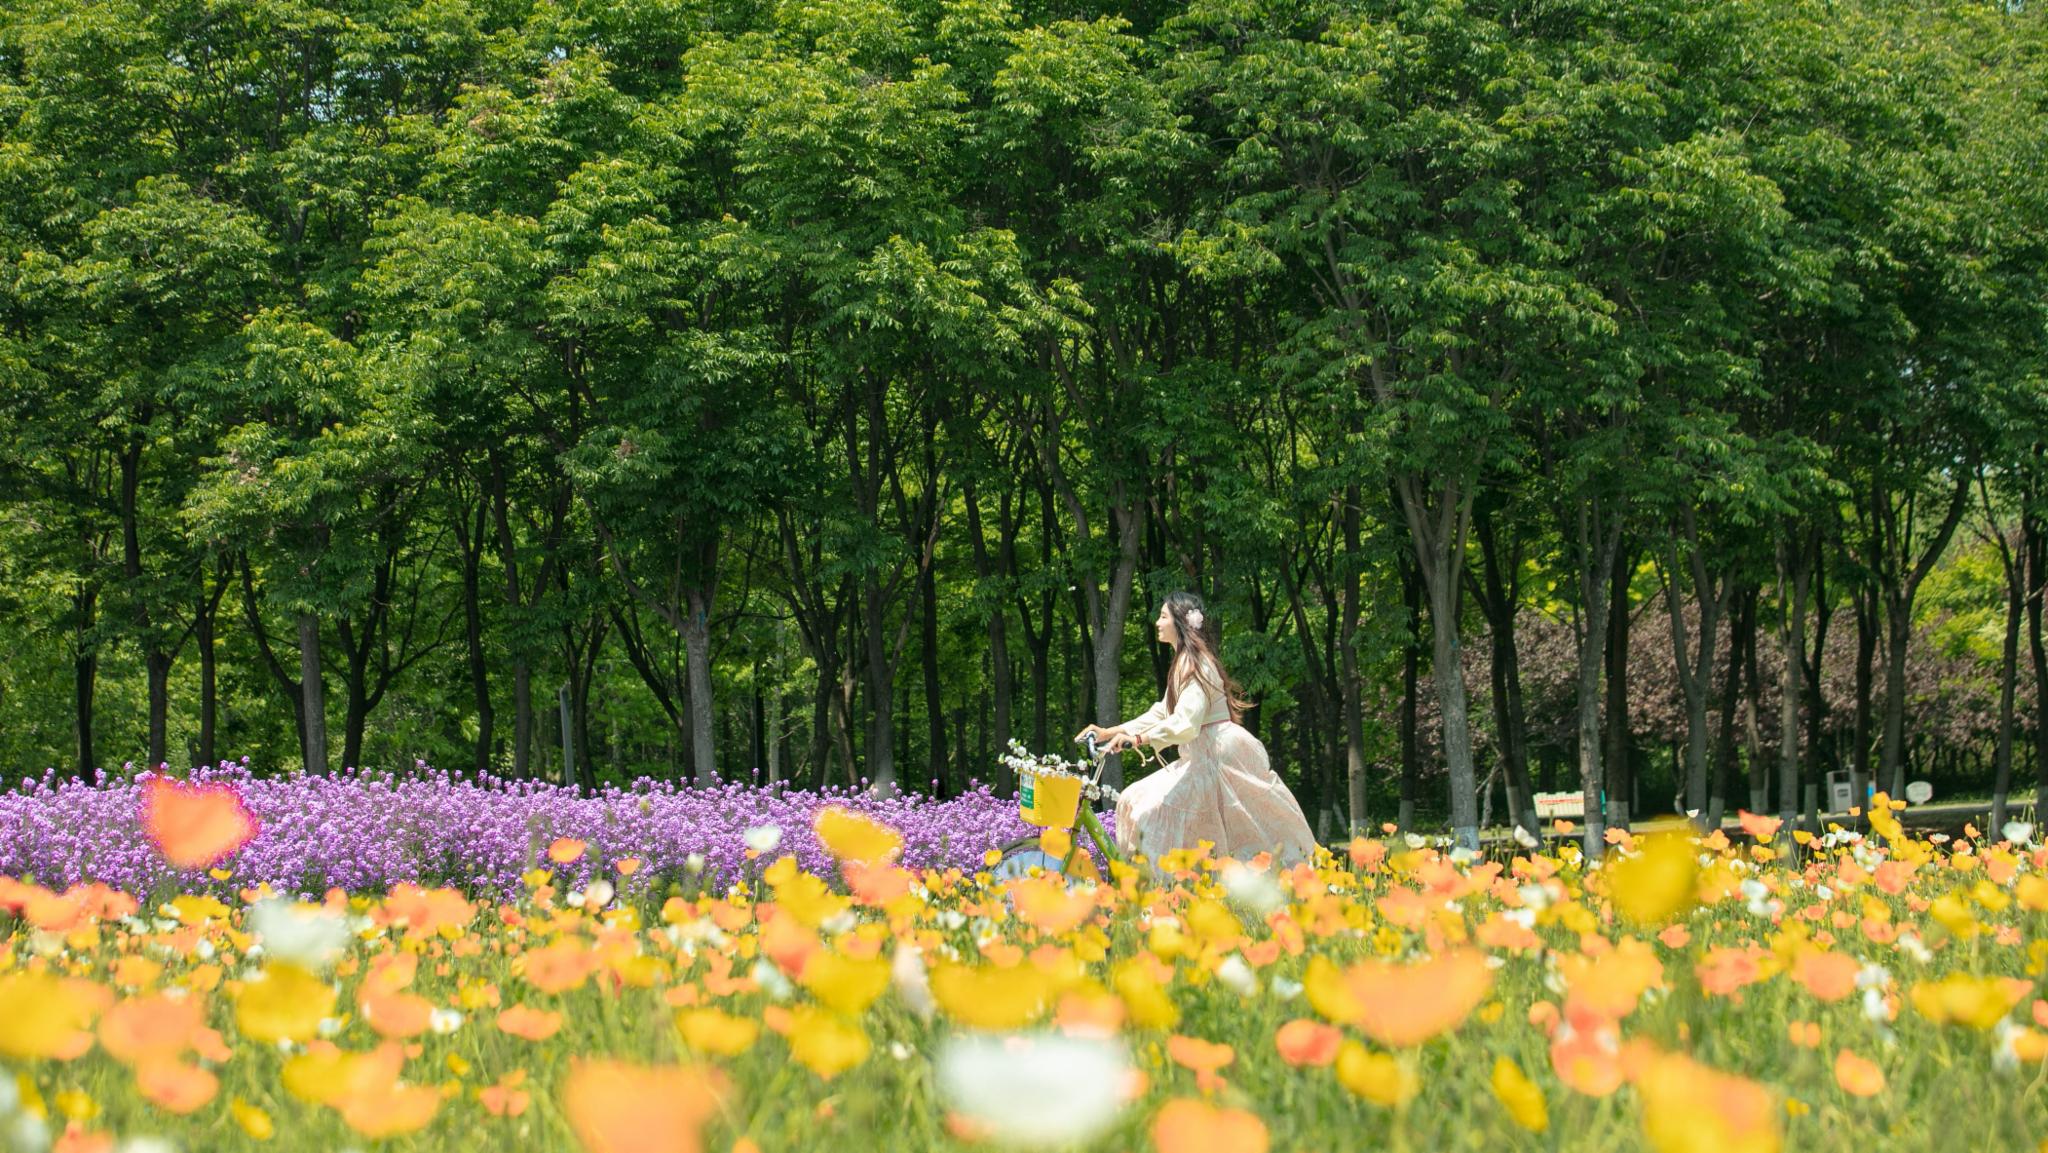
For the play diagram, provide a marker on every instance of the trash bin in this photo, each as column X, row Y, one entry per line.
column 1842, row 791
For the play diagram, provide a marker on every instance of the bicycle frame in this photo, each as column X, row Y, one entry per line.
column 1089, row 822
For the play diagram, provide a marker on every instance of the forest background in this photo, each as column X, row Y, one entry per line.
column 1640, row 397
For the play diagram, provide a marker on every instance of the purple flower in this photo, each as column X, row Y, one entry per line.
column 367, row 831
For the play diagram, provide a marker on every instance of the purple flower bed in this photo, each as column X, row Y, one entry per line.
column 368, row 831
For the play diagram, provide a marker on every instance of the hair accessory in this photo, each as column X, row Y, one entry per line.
column 1195, row 619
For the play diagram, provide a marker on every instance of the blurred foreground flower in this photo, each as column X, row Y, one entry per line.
column 1034, row 1090
column 850, row 836
column 195, row 825
column 1401, row 1004
column 1520, row 1096
column 48, row 1016
column 283, row 1003
column 309, row 935
column 617, row 1107
column 1691, row 1108
column 1192, row 1126
column 1657, row 882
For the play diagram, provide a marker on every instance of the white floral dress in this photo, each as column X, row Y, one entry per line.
column 1222, row 789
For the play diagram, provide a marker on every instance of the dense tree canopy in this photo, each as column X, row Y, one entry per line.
column 829, row 391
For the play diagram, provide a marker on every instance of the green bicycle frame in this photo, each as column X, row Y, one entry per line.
column 1092, row 825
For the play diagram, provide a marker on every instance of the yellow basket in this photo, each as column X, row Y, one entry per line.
column 1048, row 802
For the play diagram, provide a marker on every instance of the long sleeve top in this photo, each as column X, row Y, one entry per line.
column 1201, row 702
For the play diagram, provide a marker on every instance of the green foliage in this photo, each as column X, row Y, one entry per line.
column 505, row 339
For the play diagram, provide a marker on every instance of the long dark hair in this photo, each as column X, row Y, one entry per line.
column 1197, row 653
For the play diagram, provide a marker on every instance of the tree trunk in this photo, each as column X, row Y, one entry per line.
column 1438, row 517
column 1898, row 631
column 156, row 661
column 157, row 670
column 996, row 601
column 759, row 729
column 1598, row 545
column 1741, row 632
column 822, row 726
column 2014, row 564
column 355, row 715
column 2034, row 536
column 1411, row 676
column 1899, row 592
column 881, row 685
column 1353, row 689
column 1752, row 713
column 697, row 660
column 209, row 691
column 313, row 696
column 1793, row 577
column 85, row 669
column 1696, row 672
column 1821, row 752
column 1108, row 612
column 522, row 719
column 1501, row 595
column 522, row 669
column 470, row 539
column 2008, row 682
column 934, row 696
column 1446, row 668
column 1620, row 772
column 1863, row 599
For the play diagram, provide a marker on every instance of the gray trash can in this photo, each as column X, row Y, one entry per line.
column 1842, row 791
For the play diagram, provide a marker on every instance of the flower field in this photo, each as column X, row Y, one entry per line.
column 367, row 832
column 833, row 981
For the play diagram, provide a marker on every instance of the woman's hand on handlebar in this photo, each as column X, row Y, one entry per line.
column 1119, row 740
column 1109, row 740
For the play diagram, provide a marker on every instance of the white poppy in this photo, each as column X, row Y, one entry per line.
column 1236, row 975
column 1035, row 1090
column 764, row 838
column 1255, row 889
column 309, row 935
column 771, row 980
column 913, row 986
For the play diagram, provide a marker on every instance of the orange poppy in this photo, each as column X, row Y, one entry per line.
column 559, row 967
column 1828, row 976
column 1401, row 1005
column 78, row 1139
column 156, row 1028
column 506, row 1098
column 195, row 825
column 1303, row 1042
column 1204, row 1058
column 397, row 1016
column 1857, row 1076
column 175, row 1086
column 528, row 1023
column 1759, row 826
column 617, row 1107
column 1190, row 1125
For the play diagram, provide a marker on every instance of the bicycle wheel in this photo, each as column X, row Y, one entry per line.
column 1024, row 854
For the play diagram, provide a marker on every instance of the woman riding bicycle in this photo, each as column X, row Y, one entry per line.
column 1222, row 788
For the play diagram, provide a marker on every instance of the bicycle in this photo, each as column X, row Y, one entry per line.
column 1041, row 799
